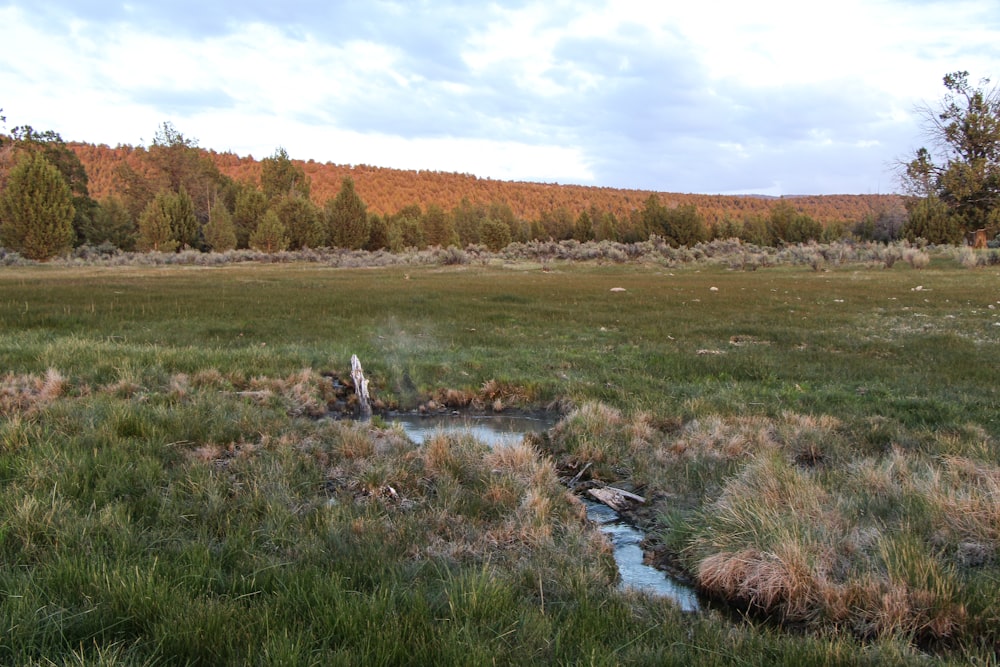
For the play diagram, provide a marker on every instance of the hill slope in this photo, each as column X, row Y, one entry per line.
column 387, row 190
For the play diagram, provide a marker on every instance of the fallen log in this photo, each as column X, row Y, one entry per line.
column 361, row 387
column 615, row 498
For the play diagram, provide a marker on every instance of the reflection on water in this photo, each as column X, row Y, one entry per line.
column 506, row 429
column 491, row 429
column 628, row 554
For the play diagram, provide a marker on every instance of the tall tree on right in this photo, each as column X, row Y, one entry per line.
column 962, row 166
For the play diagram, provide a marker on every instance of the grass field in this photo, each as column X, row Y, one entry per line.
column 819, row 447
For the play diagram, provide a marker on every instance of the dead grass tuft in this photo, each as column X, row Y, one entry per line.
column 27, row 393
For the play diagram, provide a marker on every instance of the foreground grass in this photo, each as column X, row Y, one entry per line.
column 167, row 496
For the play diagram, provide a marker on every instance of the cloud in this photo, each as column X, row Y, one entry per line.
column 702, row 97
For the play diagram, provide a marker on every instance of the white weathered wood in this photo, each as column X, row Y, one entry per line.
column 617, row 499
column 361, row 387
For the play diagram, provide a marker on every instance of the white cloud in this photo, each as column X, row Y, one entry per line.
column 726, row 95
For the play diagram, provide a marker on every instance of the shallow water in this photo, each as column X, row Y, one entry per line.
column 506, row 429
column 636, row 574
column 491, row 429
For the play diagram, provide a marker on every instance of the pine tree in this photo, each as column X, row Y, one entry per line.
column 36, row 209
column 269, row 235
column 220, row 234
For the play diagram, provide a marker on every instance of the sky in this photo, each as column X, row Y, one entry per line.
column 702, row 96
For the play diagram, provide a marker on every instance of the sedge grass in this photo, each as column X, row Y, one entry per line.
column 168, row 496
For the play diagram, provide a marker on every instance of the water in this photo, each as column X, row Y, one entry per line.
column 491, row 429
column 505, row 429
column 636, row 574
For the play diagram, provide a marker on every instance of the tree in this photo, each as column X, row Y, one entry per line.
column 220, row 232
column 494, row 234
column 279, row 176
column 51, row 145
column 111, row 223
column 606, row 227
column 251, row 205
column 302, row 220
column 405, row 230
column 270, row 234
column 931, row 220
column 584, row 229
column 184, row 224
column 962, row 167
column 155, row 229
column 438, row 228
column 180, row 164
column 466, row 218
column 678, row 225
column 378, row 233
column 36, row 209
column 347, row 217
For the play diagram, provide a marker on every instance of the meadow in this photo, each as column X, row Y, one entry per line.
column 818, row 443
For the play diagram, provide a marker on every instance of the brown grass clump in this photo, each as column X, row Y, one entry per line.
column 456, row 398
column 210, row 378
column 26, row 393
column 594, row 432
column 355, row 443
column 767, row 581
column 179, row 385
column 501, row 395
column 304, row 392
column 719, row 438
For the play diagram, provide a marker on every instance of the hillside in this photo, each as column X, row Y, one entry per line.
column 387, row 190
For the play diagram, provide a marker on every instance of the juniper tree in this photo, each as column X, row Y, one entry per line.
column 183, row 223
column 962, row 166
column 111, row 223
column 155, row 229
column 251, row 205
column 36, row 209
column 438, row 227
column 280, row 177
column 302, row 220
column 270, row 234
column 220, row 234
column 347, row 217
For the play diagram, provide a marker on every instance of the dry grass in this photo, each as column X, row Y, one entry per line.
column 27, row 393
column 794, row 522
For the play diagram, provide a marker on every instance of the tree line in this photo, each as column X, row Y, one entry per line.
column 173, row 195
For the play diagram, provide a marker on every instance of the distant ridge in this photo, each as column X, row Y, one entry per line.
column 386, row 190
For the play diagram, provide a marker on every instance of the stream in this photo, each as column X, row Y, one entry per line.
column 625, row 539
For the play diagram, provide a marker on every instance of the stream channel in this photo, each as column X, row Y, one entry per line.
column 625, row 539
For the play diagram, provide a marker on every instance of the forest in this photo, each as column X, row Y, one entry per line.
column 174, row 194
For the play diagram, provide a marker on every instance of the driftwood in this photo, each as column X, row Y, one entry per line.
column 361, row 387
column 576, row 479
column 615, row 498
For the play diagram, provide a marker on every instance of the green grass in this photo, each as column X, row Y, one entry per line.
column 165, row 497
